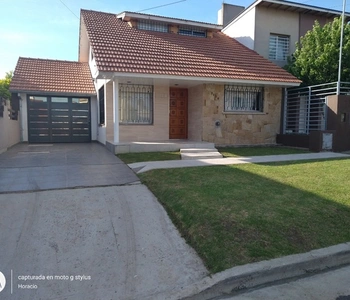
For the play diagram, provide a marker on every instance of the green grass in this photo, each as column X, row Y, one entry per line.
column 233, row 215
column 129, row 158
column 257, row 151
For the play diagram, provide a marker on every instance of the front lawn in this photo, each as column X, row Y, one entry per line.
column 233, row 215
column 259, row 151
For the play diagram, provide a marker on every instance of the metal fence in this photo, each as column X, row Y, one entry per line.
column 305, row 108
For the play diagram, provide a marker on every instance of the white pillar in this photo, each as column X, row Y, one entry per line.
column 115, row 110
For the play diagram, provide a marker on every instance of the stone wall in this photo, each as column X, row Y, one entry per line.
column 240, row 128
column 195, row 112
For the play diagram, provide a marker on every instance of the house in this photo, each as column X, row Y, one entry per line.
column 272, row 27
column 150, row 78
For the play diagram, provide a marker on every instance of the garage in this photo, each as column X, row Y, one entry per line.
column 58, row 119
column 57, row 101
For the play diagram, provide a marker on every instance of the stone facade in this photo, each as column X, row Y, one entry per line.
column 205, row 108
column 240, row 128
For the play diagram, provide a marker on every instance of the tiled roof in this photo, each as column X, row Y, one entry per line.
column 117, row 47
column 52, row 76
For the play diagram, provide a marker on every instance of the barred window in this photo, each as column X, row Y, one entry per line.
column 135, row 104
column 244, row 98
column 192, row 31
column 152, row 26
column 278, row 47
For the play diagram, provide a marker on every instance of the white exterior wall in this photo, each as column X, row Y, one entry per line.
column 10, row 130
column 243, row 29
column 24, row 117
column 275, row 21
column 94, row 117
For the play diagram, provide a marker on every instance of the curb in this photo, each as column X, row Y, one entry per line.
column 253, row 275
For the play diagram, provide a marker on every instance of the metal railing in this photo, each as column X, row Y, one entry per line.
column 305, row 108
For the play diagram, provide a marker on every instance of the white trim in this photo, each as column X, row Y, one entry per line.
column 203, row 79
column 115, row 110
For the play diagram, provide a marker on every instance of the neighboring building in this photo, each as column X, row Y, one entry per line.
column 150, row 78
column 272, row 27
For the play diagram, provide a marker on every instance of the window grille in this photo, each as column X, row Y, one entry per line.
column 152, row 26
column 278, row 47
column 244, row 98
column 135, row 104
column 192, row 31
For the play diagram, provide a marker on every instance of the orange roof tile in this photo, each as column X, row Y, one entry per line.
column 117, row 47
column 52, row 76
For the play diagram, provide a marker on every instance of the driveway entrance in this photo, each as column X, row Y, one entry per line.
column 34, row 167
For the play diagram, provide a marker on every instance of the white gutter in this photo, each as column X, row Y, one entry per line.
column 110, row 75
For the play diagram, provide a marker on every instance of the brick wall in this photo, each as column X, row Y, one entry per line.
column 159, row 131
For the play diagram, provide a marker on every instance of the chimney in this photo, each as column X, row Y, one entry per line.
column 228, row 12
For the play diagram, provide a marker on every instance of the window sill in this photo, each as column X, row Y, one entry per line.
column 238, row 112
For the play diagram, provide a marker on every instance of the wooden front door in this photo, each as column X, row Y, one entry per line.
column 178, row 114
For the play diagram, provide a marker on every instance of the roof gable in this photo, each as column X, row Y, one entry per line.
column 52, row 76
column 119, row 48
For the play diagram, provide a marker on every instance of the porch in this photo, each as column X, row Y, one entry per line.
column 156, row 146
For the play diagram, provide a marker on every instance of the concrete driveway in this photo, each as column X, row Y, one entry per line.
column 110, row 242
column 55, row 166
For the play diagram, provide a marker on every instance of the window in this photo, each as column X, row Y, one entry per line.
column 152, row 26
column 279, row 47
column 101, row 101
column 135, row 104
column 192, row 31
column 243, row 98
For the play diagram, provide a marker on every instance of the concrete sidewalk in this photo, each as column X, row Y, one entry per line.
column 142, row 167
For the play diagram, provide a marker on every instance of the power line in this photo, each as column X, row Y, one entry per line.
column 160, row 5
column 69, row 9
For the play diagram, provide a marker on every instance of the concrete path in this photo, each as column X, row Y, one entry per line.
column 147, row 166
column 118, row 239
column 332, row 285
column 54, row 166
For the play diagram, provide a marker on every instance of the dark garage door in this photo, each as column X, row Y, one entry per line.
column 58, row 119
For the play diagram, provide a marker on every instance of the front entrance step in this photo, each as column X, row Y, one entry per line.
column 198, row 153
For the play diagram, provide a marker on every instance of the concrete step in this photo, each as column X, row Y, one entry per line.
column 197, row 150
column 203, row 153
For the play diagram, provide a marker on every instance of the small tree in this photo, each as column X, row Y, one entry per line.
column 316, row 58
column 5, row 85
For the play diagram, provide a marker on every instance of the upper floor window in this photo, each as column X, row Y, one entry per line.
column 192, row 31
column 152, row 26
column 278, row 47
column 243, row 98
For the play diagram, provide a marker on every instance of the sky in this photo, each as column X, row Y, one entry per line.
column 50, row 28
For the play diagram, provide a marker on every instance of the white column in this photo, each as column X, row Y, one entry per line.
column 116, row 110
